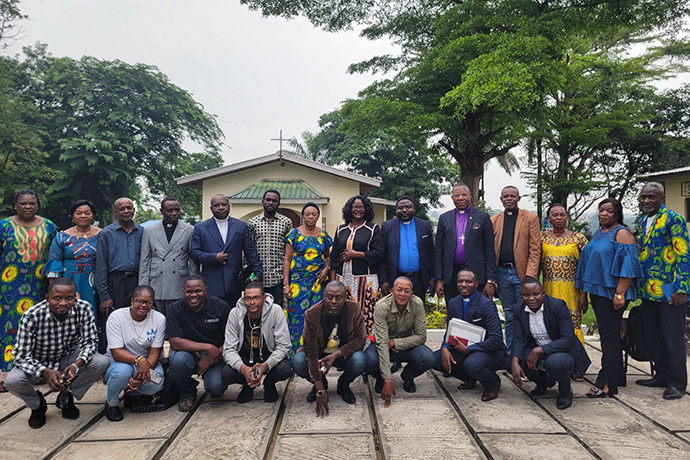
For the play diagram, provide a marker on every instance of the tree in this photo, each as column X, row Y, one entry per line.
column 109, row 128
column 9, row 16
column 472, row 75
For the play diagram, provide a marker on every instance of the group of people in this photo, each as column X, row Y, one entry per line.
column 219, row 289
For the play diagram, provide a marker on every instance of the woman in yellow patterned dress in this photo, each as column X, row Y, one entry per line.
column 24, row 241
column 560, row 251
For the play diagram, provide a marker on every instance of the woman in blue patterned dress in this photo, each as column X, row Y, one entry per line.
column 73, row 252
column 306, row 266
column 25, row 239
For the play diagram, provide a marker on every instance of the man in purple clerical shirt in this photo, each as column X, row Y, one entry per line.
column 464, row 238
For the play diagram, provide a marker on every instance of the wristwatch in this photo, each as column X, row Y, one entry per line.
column 619, row 297
column 137, row 359
column 320, row 393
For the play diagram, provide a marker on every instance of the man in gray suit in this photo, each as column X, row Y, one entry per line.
column 164, row 263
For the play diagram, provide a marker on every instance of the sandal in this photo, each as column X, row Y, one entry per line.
column 595, row 392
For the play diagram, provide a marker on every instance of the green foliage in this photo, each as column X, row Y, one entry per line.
column 108, row 128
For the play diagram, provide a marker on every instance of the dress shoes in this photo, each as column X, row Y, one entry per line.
column 673, row 393
column 493, row 394
column 653, row 382
column 378, row 386
column 114, row 414
column 38, row 415
column 311, row 397
column 538, row 391
column 564, row 402
column 345, row 393
column 65, row 402
column 408, row 383
column 246, row 394
column 469, row 385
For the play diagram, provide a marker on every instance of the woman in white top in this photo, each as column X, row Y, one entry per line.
column 135, row 339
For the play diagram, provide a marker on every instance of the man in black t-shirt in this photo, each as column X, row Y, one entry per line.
column 196, row 330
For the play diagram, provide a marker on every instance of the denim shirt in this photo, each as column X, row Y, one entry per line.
column 117, row 250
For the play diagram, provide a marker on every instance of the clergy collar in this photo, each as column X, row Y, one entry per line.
column 467, row 299
column 220, row 221
column 406, row 223
column 510, row 213
column 462, row 211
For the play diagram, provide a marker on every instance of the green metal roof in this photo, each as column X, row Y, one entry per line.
column 290, row 189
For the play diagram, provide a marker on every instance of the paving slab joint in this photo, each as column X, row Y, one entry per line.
column 278, row 421
column 376, row 433
column 180, row 426
column 99, row 415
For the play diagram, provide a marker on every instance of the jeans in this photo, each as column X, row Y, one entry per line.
column 281, row 371
column 117, row 377
column 183, row 365
column 510, row 292
column 353, row 366
column 20, row 384
column 478, row 365
column 419, row 359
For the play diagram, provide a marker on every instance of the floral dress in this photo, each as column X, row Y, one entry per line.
column 559, row 257
column 74, row 257
column 24, row 252
column 305, row 289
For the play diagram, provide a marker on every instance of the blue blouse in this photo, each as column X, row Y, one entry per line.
column 603, row 261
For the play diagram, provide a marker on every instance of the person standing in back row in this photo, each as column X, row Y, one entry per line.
column 517, row 242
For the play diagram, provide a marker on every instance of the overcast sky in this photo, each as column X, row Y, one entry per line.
column 258, row 75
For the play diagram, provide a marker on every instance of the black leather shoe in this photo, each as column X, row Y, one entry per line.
column 673, row 393
column 345, row 393
column 378, row 386
column 246, row 394
column 311, row 397
column 469, row 385
column 114, row 414
column 65, row 402
column 38, row 415
column 538, row 391
column 270, row 392
column 564, row 402
column 409, row 386
column 653, row 382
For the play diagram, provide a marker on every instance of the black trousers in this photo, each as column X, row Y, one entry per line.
column 664, row 330
column 417, row 284
column 612, row 371
column 121, row 285
column 232, row 297
column 277, row 293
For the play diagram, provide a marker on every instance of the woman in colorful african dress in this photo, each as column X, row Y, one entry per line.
column 307, row 250
column 73, row 252
column 25, row 239
column 357, row 251
column 560, row 252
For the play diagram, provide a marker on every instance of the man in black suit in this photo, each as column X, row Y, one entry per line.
column 464, row 238
column 409, row 244
column 481, row 360
column 545, row 346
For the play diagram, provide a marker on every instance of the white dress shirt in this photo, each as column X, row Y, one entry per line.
column 222, row 228
column 537, row 326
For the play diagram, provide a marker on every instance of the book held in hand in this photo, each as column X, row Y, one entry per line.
column 462, row 331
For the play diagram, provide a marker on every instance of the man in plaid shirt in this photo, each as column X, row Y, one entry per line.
column 56, row 340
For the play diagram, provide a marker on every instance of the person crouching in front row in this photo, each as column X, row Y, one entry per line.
column 257, row 343
column 135, row 340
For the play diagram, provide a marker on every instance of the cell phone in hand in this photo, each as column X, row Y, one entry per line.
column 256, row 372
column 155, row 376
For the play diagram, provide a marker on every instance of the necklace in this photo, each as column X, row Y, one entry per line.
column 134, row 324
column 86, row 234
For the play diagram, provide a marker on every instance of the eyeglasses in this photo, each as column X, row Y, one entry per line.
column 403, row 291
column 459, row 195
column 141, row 303
column 255, row 299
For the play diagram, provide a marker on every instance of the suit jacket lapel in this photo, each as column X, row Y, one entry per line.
column 470, row 223
column 472, row 307
column 177, row 234
column 551, row 326
column 518, row 222
column 396, row 236
column 214, row 232
column 159, row 233
column 232, row 225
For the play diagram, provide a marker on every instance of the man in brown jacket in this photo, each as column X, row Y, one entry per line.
column 517, row 241
column 334, row 335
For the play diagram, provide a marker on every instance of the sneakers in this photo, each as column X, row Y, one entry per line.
column 114, row 414
column 186, row 403
column 65, row 402
column 38, row 415
column 270, row 392
column 246, row 394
